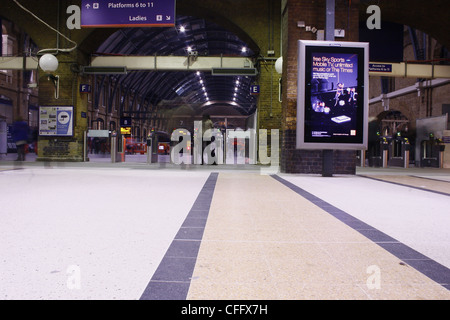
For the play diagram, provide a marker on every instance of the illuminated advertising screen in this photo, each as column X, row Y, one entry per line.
column 332, row 102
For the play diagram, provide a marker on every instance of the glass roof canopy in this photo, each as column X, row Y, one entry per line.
column 197, row 89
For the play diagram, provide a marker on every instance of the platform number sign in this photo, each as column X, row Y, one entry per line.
column 254, row 89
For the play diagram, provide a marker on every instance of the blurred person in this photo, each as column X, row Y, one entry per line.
column 20, row 133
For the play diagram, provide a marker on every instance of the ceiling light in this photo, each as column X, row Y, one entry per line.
column 182, row 29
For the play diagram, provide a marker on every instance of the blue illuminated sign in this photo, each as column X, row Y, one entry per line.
column 254, row 89
column 380, row 67
column 126, row 13
column 85, row 88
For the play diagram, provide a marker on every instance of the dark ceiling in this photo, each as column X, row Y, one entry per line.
column 199, row 90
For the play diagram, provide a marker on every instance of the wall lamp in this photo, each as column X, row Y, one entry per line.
column 49, row 63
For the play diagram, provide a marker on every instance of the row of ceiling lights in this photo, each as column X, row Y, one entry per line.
column 205, row 93
column 236, row 88
column 189, row 49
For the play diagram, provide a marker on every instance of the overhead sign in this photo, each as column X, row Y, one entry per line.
column 125, row 121
column 332, row 102
column 56, row 121
column 125, row 130
column 126, row 13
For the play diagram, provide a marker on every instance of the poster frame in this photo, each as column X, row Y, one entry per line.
column 304, row 92
column 46, row 131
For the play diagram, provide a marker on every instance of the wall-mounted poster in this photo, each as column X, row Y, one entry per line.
column 56, row 121
column 332, row 101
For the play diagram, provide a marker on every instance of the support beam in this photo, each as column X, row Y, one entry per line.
column 171, row 63
column 19, row 63
column 410, row 70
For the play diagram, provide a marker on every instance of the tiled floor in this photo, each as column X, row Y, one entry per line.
column 264, row 241
column 117, row 231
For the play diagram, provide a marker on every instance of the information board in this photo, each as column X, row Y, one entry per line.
column 126, row 13
column 56, row 121
column 332, row 102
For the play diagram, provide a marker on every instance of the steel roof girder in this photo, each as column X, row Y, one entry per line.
column 171, row 63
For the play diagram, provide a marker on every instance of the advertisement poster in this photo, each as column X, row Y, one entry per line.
column 56, row 121
column 333, row 82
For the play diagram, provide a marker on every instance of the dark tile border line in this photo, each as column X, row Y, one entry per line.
column 172, row 278
column 415, row 259
column 407, row 185
column 428, row 178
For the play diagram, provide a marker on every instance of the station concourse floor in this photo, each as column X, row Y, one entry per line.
column 98, row 231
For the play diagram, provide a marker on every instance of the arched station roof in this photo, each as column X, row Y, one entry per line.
column 197, row 89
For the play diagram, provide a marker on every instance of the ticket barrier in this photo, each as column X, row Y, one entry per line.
column 117, row 148
column 432, row 153
column 399, row 150
column 385, row 153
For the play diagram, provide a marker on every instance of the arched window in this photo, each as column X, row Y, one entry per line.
column 98, row 124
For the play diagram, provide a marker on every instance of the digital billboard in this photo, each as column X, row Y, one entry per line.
column 332, row 98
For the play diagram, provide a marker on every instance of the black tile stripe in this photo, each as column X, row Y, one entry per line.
column 420, row 262
column 172, row 278
column 429, row 178
column 407, row 185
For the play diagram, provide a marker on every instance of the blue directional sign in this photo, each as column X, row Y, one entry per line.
column 254, row 89
column 380, row 67
column 85, row 88
column 126, row 13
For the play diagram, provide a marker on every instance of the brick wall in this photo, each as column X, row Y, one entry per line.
column 313, row 14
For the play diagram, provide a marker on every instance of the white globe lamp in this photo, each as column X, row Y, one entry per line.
column 48, row 63
column 279, row 65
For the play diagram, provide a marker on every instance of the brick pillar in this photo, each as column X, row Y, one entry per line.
column 64, row 148
column 312, row 12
